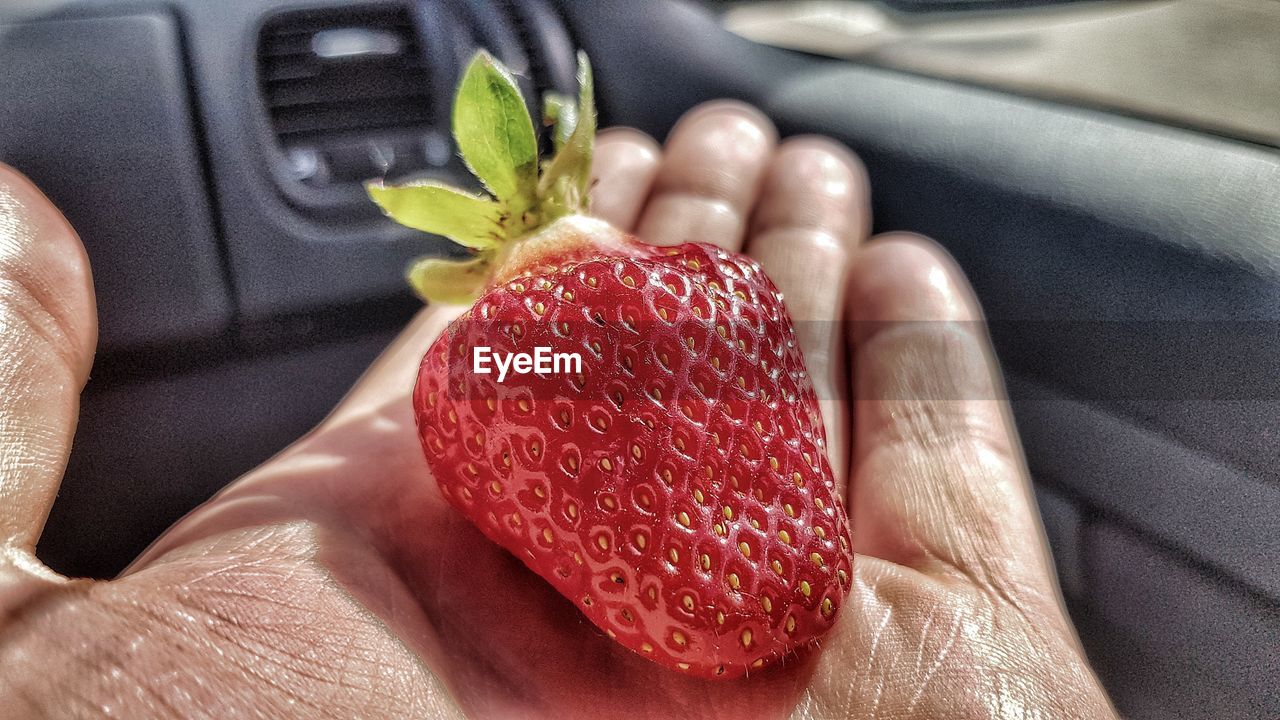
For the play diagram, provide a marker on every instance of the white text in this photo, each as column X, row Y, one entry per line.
column 541, row 362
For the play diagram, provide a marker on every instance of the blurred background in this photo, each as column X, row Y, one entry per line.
column 1108, row 173
column 1206, row 64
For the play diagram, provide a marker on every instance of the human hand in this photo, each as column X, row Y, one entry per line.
column 335, row 581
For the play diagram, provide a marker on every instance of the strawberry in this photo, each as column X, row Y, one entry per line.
column 674, row 482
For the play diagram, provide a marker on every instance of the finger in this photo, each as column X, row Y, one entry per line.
column 48, row 330
column 814, row 210
column 710, row 176
column 623, row 170
column 939, row 482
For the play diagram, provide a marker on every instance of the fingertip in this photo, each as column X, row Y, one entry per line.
column 749, row 117
column 916, row 327
column 625, row 164
column 714, row 162
column 635, row 140
column 904, row 277
column 829, row 159
column 815, row 183
column 718, row 151
column 828, row 145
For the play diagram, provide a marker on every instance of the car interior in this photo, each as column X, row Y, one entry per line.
column 1106, row 173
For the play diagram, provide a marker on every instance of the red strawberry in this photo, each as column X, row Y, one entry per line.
column 675, row 486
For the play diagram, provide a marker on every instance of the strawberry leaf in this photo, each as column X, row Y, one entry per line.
column 495, row 133
column 565, row 180
column 469, row 220
column 495, row 136
column 454, row 282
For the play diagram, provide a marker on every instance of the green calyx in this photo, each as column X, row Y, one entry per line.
column 496, row 138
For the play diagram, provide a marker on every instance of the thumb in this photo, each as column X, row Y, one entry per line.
column 48, row 330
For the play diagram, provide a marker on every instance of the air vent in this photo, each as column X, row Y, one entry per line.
column 348, row 94
column 353, row 93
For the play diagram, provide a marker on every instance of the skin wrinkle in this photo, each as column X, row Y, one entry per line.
column 152, row 696
column 970, row 428
column 938, row 661
column 32, row 708
column 42, row 332
column 295, row 506
column 30, row 284
column 223, row 628
column 257, row 619
column 689, row 218
column 33, row 327
column 873, row 659
column 92, row 656
column 239, row 626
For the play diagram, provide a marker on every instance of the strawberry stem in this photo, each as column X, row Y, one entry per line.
column 495, row 136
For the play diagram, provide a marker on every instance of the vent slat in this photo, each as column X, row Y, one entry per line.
column 349, row 116
column 310, row 98
column 294, row 69
column 308, row 23
column 330, row 88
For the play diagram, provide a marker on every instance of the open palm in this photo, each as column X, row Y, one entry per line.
column 334, row 581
